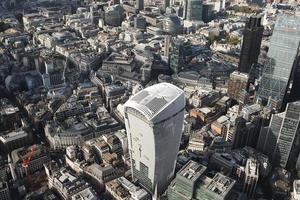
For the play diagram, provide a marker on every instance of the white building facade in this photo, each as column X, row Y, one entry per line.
column 154, row 122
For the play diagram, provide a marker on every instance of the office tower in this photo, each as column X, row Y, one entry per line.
column 154, row 123
column 280, row 140
column 167, row 45
column 113, row 15
column 166, row 4
column 294, row 94
column 172, row 24
column 278, row 78
column 191, row 183
column 239, row 133
column 4, row 191
column 207, row 11
column 223, row 4
column 139, row 5
column 251, row 177
column 192, row 10
column 245, row 133
column 176, row 53
column 237, row 83
column 140, row 22
column 251, row 44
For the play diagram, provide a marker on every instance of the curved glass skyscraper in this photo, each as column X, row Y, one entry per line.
column 154, row 121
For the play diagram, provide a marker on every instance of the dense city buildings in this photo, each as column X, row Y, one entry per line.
column 141, row 100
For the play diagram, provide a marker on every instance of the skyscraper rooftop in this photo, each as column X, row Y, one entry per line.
column 192, row 171
column 154, row 99
column 287, row 22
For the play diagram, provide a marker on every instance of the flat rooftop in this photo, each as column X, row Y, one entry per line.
column 240, row 75
column 252, row 108
column 252, row 168
column 220, row 184
column 15, row 135
column 296, row 186
column 192, row 171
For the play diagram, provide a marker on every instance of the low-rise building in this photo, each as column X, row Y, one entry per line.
column 15, row 139
column 116, row 63
column 73, row 132
column 9, row 115
column 196, row 142
column 123, row 189
column 37, row 155
column 221, row 126
column 101, row 174
column 68, row 185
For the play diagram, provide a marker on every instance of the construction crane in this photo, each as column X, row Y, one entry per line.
column 26, row 162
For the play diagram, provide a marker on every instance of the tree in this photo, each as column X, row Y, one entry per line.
column 4, row 26
column 232, row 40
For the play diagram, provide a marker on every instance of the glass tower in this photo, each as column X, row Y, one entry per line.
column 280, row 141
column 279, row 70
column 251, row 44
column 179, row 48
column 193, row 10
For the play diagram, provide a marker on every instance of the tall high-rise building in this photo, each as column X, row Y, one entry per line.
column 178, row 49
column 139, row 5
column 280, row 140
column 154, row 123
column 294, row 94
column 251, row 44
column 279, row 77
column 167, row 45
column 207, row 11
column 166, row 4
column 237, row 83
column 239, row 133
column 251, row 177
column 192, row 10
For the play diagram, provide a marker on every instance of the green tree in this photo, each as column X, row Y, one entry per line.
column 234, row 40
column 4, row 26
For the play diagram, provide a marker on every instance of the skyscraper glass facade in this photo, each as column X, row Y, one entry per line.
column 280, row 138
column 251, row 44
column 284, row 47
column 193, row 10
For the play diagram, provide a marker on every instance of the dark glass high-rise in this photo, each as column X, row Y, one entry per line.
column 251, row 44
